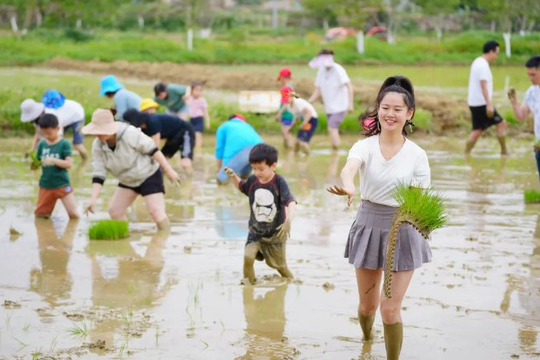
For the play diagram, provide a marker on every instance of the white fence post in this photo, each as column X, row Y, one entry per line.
column 360, row 42
column 190, row 39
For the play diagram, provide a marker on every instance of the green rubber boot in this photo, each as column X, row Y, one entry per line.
column 366, row 323
column 393, row 339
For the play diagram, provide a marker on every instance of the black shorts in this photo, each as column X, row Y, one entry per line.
column 480, row 121
column 184, row 142
column 152, row 185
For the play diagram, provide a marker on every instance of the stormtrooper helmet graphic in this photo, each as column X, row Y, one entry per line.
column 263, row 207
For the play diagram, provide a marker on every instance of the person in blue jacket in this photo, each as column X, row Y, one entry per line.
column 234, row 140
column 123, row 98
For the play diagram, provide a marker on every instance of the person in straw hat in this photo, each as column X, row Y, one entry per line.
column 134, row 159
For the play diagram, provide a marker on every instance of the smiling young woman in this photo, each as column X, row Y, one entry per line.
column 384, row 160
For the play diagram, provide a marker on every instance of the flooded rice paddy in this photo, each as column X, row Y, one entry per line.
column 178, row 295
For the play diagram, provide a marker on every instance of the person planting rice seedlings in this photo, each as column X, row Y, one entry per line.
column 198, row 112
column 234, row 140
column 385, row 159
column 134, row 159
column 54, row 155
column 284, row 115
column 173, row 97
column 109, row 230
column 123, row 98
column 179, row 134
column 70, row 115
column 531, row 103
column 272, row 210
column 305, row 112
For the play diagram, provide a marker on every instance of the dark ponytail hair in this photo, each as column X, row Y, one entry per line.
column 398, row 84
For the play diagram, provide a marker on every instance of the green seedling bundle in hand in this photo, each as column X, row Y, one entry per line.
column 421, row 208
column 36, row 163
column 531, row 196
column 109, row 230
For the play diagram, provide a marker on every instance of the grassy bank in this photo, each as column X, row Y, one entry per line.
column 240, row 46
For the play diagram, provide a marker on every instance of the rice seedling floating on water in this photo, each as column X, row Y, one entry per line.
column 109, row 230
column 424, row 210
column 531, row 196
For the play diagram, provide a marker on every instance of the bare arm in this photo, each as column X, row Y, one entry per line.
column 485, row 93
column 521, row 110
column 35, row 140
column 96, row 190
column 290, row 210
column 315, row 94
column 64, row 164
column 234, row 178
column 219, row 163
column 281, row 111
column 157, row 139
column 307, row 115
column 348, row 173
column 166, row 167
column 351, row 96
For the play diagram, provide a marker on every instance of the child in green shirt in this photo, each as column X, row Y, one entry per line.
column 55, row 156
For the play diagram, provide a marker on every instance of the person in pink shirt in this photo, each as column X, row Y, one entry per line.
column 198, row 111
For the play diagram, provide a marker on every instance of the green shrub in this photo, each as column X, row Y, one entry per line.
column 109, row 230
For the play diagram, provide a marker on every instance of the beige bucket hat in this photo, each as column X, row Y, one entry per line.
column 102, row 123
column 31, row 110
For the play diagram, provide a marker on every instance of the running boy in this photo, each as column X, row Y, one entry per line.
column 304, row 111
column 284, row 114
column 198, row 111
column 272, row 211
column 54, row 152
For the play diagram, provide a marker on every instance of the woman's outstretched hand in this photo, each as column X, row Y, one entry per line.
column 342, row 191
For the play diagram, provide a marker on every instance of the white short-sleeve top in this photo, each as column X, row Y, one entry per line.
column 379, row 177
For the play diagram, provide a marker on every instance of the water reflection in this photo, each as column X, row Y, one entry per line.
column 231, row 221
column 265, row 323
column 53, row 281
column 125, row 281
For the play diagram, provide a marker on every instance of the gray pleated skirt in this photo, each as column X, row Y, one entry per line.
column 368, row 237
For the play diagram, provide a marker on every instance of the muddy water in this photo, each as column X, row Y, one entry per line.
column 177, row 295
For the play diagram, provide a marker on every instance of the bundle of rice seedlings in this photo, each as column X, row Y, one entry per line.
column 109, row 230
column 36, row 163
column 531, row 196
column 424, row 210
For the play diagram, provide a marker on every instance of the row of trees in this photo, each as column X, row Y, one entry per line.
column 504, row 15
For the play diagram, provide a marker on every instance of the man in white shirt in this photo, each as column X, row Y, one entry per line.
column 334, row 85
column 480, row 97
column 531, row 103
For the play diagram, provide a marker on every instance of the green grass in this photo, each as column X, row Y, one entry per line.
column 423, row 206
column 531, row 196
column 109, row 230
column 242, row 46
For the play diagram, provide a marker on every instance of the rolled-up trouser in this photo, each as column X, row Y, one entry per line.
column 239, row 164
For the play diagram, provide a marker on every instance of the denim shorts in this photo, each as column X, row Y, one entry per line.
column 78, row 137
